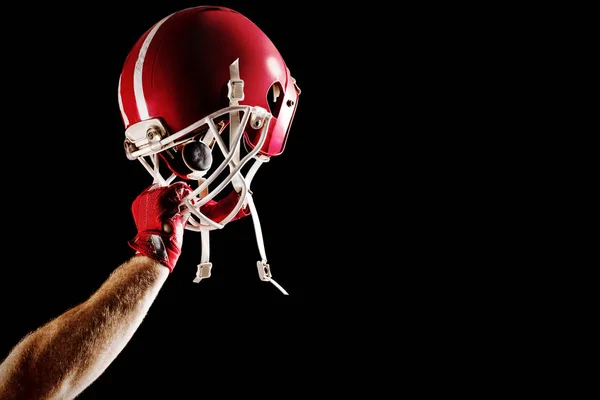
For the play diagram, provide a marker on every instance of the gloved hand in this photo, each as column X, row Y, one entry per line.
column 159, row 223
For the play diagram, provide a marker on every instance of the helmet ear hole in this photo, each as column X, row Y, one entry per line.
column 275, row 97
column 197, row 156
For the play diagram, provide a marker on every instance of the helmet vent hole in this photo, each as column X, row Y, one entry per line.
column 275, row 98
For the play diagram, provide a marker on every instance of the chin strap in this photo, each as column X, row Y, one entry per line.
column 236, row 94
column 264, row 270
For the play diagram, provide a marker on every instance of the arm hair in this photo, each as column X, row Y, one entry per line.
column 63, row 357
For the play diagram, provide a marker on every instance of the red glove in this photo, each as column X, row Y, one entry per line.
column 160, row 225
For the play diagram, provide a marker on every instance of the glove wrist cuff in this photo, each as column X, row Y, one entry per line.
column 157, row 247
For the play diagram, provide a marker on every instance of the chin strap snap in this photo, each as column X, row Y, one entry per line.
column 205, row 266
column 264, row 273
column 203, row 271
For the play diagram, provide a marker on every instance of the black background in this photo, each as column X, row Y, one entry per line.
column 381, row 218
column 68, row 190
column 365, row 217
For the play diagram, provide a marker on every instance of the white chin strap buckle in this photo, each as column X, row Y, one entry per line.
column 264, row 272
column 203, row 271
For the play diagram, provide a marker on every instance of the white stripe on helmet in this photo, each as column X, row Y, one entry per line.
column 138, row 88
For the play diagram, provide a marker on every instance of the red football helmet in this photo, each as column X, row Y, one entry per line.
column 200, row 79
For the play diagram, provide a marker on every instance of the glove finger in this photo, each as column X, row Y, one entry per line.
column 182, row 191
column 172, row 197
column 177, row 191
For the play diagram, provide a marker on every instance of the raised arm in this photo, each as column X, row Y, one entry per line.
column 60, row 359
column 63, row 357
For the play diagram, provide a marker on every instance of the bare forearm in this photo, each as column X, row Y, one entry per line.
column 63, row 357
